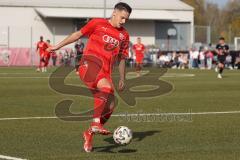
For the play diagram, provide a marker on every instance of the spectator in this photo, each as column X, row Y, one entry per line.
column 72, row 58
column 182, row 61
column 202, row 59
column 209, row 57
column 163, row 60
column 237, row 62
column 54, row 58
column 175, row 62
column 79, row 46
column 229, row 61
column 190, row 65
column 195, row 55
column 66, row 58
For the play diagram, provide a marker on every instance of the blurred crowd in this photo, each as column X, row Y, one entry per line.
column 194, row 58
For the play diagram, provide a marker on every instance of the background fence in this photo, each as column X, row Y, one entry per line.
column 20, row 50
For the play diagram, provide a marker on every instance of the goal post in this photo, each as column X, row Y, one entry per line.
column 237, row 43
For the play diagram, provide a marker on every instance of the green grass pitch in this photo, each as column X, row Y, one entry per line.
column 213, row 134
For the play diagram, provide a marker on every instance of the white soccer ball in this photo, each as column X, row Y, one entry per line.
column 122, row 135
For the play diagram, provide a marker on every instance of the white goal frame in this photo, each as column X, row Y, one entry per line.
column 236, row 44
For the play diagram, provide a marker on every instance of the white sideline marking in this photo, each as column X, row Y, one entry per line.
column 18, row 73
column 26, row 77
column 10, row 158
column 178, row 75
column 167, row 75
column 126, row 114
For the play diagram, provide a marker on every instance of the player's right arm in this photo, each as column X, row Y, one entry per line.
column 87, row 30
column 70, row 39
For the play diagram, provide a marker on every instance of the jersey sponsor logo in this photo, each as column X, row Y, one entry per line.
column 110, row 42
column 105, row 28
column 139, row 48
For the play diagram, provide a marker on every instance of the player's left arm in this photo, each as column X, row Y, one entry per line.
column 124, row 49
column 122, row 72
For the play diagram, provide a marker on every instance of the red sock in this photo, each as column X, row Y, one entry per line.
column 106, row 116
column 102, row 100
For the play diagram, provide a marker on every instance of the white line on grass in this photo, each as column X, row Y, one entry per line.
column 125, row 114
column 178, row 75
column 18, row 73
column 168, row 75
column 10, row 158
column 12, row 77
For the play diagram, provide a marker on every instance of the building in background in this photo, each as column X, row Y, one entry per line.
column 166, row 24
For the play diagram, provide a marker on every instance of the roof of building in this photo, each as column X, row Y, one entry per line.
column 91, row 13
column 139, row 4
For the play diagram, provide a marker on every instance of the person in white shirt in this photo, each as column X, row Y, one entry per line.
column 202, row 59
column 195, row 58
column 190, row 64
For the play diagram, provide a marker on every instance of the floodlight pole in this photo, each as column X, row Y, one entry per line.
column 31, row 45
column 208, row 34
column 8, row 34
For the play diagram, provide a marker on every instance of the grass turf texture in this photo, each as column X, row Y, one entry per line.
column 192, row 137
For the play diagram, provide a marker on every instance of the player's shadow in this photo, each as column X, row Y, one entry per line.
column 137, row 136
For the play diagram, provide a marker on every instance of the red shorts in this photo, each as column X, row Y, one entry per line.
column 91, row 71
column 41, row 54
column 47, row 56
column 139, row 59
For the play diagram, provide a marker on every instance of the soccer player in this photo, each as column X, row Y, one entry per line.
column 41, row 48
column 222, row 50
column 108, row 42
column 139, row 49
column 46, row 56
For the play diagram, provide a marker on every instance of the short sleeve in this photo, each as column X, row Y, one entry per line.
column 89, row 28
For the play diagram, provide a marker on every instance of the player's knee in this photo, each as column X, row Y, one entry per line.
column 107, row 89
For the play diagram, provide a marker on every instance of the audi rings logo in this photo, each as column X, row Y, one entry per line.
column 111, row 43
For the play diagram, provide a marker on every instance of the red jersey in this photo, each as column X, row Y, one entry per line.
column 139, row 49
column 42, row 46
column 46, row 53
column 106, row 42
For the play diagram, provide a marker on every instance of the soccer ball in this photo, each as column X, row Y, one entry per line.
column 122, row 135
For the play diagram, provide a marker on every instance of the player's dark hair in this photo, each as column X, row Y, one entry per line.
column 222, row 38
column 123, row 6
